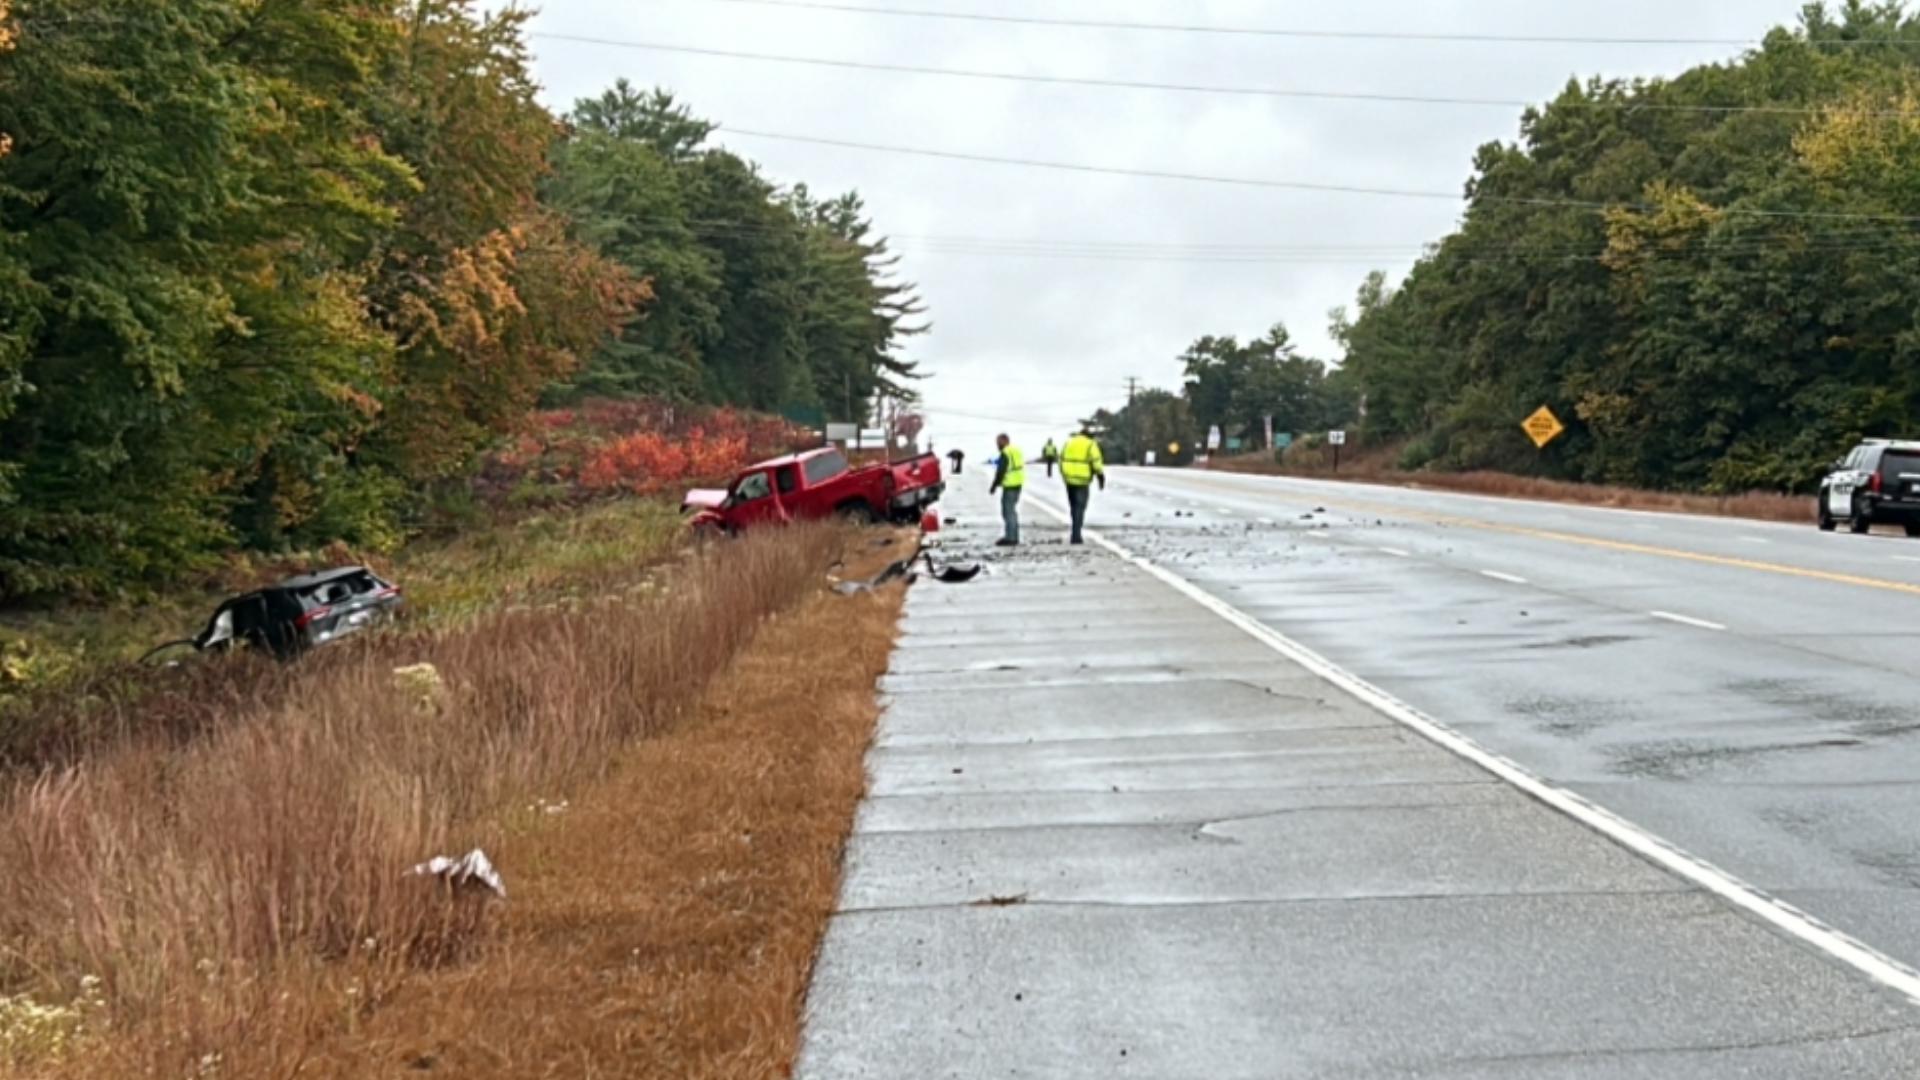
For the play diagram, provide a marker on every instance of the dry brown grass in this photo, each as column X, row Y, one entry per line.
column 665, row 924
column 1757, row 505
column 242, row 897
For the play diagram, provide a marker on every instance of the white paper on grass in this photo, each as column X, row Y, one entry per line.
column 472, row 868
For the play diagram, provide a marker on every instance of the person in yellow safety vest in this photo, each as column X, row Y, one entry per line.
column 1049, row 454
column 1081, row 466
column 1009, row 478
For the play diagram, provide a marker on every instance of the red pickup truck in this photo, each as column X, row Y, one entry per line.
column 818, row 484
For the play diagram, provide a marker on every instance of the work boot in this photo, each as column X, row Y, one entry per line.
column 1004, row 542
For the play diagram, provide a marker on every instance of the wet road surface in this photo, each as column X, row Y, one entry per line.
column 1748, row 691
column 1111, row 833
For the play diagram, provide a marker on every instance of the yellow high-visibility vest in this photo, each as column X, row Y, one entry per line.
column 1016, row 476
column 1081, row 461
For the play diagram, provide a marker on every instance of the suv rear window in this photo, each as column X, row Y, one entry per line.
column 1896, row 462
column 340, row 589
column 825, row 467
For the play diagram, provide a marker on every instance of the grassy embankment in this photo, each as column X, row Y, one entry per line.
column 663, row 762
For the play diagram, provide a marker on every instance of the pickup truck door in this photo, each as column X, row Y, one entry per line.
column 754, row 501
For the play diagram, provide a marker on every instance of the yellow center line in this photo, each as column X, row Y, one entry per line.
column 1629, row 547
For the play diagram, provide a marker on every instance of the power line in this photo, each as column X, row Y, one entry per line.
column 1289, row 185
column 1186, row 88
column 1839, row 239
column 1241, row 31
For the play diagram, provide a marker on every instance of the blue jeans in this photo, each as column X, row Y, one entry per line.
column 1010, row 512
column 1077, row 495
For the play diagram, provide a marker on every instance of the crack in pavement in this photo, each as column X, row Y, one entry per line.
column 1711, row 1048
column 1678, row 889
column 1197, row 827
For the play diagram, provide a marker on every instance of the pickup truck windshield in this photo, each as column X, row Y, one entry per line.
column 751, row 487
column 825, row 467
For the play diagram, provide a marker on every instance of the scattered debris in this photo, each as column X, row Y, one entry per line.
column 422, row 682
column 895, row 571
column 1002, row 901
column 472, row 870
column 952, row 575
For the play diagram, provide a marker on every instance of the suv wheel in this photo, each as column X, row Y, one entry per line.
column 1860, row 520
column 1913, row 528
column 1821, row 517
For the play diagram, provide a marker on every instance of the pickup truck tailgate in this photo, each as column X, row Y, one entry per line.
column 916, row 481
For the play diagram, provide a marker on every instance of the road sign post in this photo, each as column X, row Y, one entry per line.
column 1336, row 439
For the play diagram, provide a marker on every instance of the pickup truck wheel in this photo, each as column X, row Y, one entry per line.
column 859, row 513
column 1825, row 520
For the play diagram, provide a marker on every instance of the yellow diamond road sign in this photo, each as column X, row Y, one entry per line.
column 1543, row 427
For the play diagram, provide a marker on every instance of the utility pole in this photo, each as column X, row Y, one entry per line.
column 1133, row 419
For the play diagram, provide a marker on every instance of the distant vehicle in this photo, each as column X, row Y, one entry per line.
column 1877, row 484
column 288, row 618
column 818, row 484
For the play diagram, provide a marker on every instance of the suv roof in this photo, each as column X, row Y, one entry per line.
column 1893, row 444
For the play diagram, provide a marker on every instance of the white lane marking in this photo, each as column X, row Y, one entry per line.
column 1398, row 553
column 1686, row 620
column 1906, row 558
column 1775, row 912
column 1756, row 540
column 1508, row 578
column 1266, row 521
column 1222, row 510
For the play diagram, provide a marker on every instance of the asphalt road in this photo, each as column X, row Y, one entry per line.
column 1119, row 824
column 1748, row 691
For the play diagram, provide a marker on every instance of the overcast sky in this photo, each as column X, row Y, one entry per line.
column 1030, row 342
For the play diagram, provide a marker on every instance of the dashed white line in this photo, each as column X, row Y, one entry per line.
column 1510, row 579
column 1266, row 521
column 1398, row 553
column 1756, row 540
column 1906, row 558
column 1686, row 620
column 1221, row 510
column 1779, row 914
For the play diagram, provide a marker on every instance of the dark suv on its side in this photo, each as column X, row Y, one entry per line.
column 294, row 615
column 1877, row 484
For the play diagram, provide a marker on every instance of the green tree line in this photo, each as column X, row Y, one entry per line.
column 273, row 272
column 1713, row 279
column 1235, row 386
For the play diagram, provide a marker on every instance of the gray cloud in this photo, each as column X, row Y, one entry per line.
column 1048, row 339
